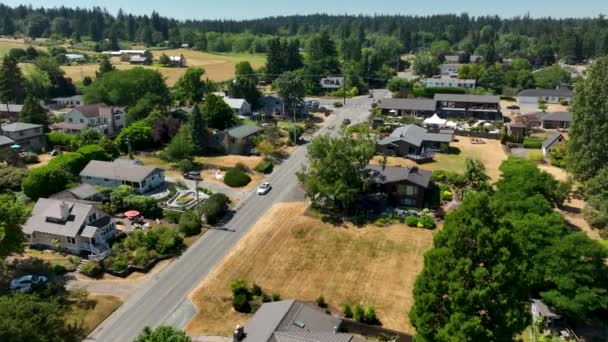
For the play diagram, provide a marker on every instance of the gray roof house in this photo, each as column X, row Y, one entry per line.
column 557, row 120
column 402, row 186
column 549, row 95
column 415, row 107
column 143, row 179
column 81, row 193
column 415, row 142
column 236, row 140
column 9, row 110
column 551, row 142
column 78, row 227
column 28, row 136
column 291, row 321
column 480, row 107
column 6, row 141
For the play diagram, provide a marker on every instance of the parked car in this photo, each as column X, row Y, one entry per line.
column 346, row 122
column 25, row 283
column 371, row 95
column 513, row 107
column 192, row 175
column 264, row 188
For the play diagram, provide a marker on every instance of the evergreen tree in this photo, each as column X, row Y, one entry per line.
column 32, row 112
column 105, row 65
column 275, row 60
column 587, row 152
column 8, row 27
column 217, row 114
column 197, row 130
column 293, row 56
column 12, row 84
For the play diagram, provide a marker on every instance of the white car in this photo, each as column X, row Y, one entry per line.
column 264, row 188
column 24, row 284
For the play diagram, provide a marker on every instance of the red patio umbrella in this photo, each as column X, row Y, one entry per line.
column 132, row 213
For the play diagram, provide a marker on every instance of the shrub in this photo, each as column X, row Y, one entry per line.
column 214, row 208
column 241, row 304
column 427, row 222
column 146, row 205
column 266, row 298
column 536, row 156
column 72, row 162
column 347, row 311
column 31, row 158
column 185, row 165
column 62, row 139
column 189, row 224
column 369, row 317
column 93, row 152
column 449, row 177
column 276, row 297
column 294, row 134
column 256, row 290
column 239, row 287
column 533, row 143
column 446, row 196
column 242, row 167
column 411, row 221
column 236, row 178
column 338, row 104
column 265, row 167
column 92, row 269
column 321, row 302
column 359, row 313
column 172, row 216
column 45, row 181
column 58, row 269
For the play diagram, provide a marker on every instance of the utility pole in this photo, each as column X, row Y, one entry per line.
column 198, row 202
column 344, row 88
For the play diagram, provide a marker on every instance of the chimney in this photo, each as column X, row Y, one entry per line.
column 65, row 210
column 239, row 333
column 414, row 169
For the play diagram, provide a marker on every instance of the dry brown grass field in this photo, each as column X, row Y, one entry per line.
column 298, row 256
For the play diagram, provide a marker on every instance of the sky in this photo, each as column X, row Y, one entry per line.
column 246, row 9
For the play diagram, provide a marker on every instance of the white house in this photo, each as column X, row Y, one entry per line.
column 332, row 82
column 74, row 226
column 449, row 69
column 142, row 179
column 239, row 106
column 100, row 117
column 178, row 61
column 549, row 95
column 449, row 82
column 75, row 57
column 70, row 101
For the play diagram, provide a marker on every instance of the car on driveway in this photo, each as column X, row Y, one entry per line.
column 513, row 107
column 264, row 188
column 25, row 283
column 192, row 175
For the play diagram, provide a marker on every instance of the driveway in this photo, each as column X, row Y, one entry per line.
column 155, row 302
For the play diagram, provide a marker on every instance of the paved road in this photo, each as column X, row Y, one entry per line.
column 155, row 302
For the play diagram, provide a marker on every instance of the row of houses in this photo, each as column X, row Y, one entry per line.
column 457, row 106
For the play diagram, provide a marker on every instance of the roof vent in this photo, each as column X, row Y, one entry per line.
column 299, row 324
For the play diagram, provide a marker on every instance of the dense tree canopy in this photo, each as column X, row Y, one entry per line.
column 191, row 87
column 162, row 334
column 12, row 215
column 217, row 114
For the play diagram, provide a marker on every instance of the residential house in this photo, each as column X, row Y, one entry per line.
column 332, row 83
column 518, row 129
column 100, row 117
column 479, row 107
column 240, row 106
column 178, row 61
column 70, row 101
column 414, row 107
column 82, row 192
column 450, row 69
column 403, row 186
column 453, row 59
column 27, row 136
column 541, row 312
column 142, row 179
column 557, row 120
column 139, row 60
column 291, row 320
column 532, row 96
column 9, row 111
column 185, row 46
column 551, row 142
column 236, row 140
column 75, row 57
column 125, row 52
column 452, row 82
column 6, row 142
column 78, row 228
column 272, row 105
column 415, row 142
column 475, row 59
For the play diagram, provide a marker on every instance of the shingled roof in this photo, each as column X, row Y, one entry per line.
column 415, row 135
column 394, row 174
column 408, row 104
column 118, row 171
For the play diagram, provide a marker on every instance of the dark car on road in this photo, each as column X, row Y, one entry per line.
column 192, row 175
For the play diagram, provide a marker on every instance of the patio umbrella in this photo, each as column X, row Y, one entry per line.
column 132, row 213
column 16, row 147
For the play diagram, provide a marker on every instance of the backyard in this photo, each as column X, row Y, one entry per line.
column 297, row 256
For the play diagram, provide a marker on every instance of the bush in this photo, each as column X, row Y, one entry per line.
column 265, row 167
column 58, row 269
column 359, row 313
column 241, row 304
column 172, row 216
column 449, row 177
column 256, row 290
column 239, row 287
column 236, row 178
column 45, row 181
column 411, row 221
column 347, row 311
column 276, row 297
column 533, row 143
column 185, row 165
column 72, row 162
column 294, row 134
column 321, row 302
column 92, row 269
column 446, row 196
column 242, row 167
column 338, row 104
column 369, row 317
column 189, row 224
column 62, row 140
column 31, row 158
column 93, row 152
column 536, row 156
column 214, row 208
column 427, row 222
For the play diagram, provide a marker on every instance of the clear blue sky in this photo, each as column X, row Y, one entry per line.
column 238, row 9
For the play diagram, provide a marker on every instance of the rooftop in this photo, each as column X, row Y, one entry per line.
column 392, row 174
column 408, row 104
column 243, row 131
column 118, row 171
column 80, row 192
column 235, row 103
column 19, row 126
column 415, row 135
column 59, row 217
column 558, row 116
column 467, row 98
column 550, row 141
column 96, row 110
column 6, row 141
column 10, row 108
column 561, row 92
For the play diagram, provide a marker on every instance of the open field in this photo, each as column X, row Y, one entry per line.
column 491, row 154
column 298, row 256
column 101, row 306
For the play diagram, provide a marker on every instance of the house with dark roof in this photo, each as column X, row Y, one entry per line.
column 10, row 111
column 142, row 179
column 414, row 107
column 459, row 106
column 107, row 120
column 518, row 129
column 415, row 142
column 291, row 321
column 28, row 136
column 79, row 228
column 236, row 140
column 557, row 120
column 274, row 105
column 402, row 186
column 551, row 142
column 532, row 96
column 83, row 193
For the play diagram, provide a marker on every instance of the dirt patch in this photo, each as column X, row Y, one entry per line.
column 43, row 159
column 230, row 161
column 491, row 154
column 100, row 307
column 559, row 174
column 298, row 256
column 572, row 212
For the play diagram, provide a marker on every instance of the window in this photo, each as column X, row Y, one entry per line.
column 409, row 202
column 117, row 117
column 411, row 190
column 70, row 120
column 106, row 180
column 92, row 217
column 81, row 120
column 71, row 240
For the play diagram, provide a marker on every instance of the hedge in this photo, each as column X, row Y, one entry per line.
column 189, row 225
column 62, row 139
column 265, row 166
column 214, row 208
column 236, row 178
column 533, row 143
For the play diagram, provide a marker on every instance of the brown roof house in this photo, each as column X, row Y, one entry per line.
column 403, row 186
column 78, row 228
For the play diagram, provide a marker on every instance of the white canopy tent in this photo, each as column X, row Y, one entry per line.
column 435, row 120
